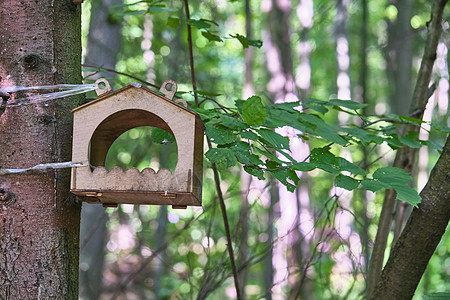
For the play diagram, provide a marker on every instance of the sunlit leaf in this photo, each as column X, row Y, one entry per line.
column 253, row 111
column 245, row 42
column 363, row 135
column 211, row 36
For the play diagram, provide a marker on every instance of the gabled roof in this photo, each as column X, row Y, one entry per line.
column 107, row 95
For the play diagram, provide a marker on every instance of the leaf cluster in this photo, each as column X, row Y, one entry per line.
column 248, row 134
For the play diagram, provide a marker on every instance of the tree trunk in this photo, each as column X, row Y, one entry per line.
column 405, row 157
column 421, row 235
column 39, row 220
column 104, row 39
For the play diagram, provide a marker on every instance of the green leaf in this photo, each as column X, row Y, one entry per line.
column 242, row 150
column 222, row 156
column 233, row 123
column 173, row 22
column 160, row 136
column 200, row 24
column 350, row 104
column 282, row 175
column 280, row 117
column 411, row 120
column 364, row 136
column 288, row 106
column 346, row 182
column 398, row 179
column 245, row 42
column 410, row 139
column 208, row 94
column 304, row 166
column 249, row 135
column 316, row 104
column 394, row 142
column 437, row 296
column 373, row 185
column 211, row 36
column 345, row 165
column 322, row 129
column 269, row 155
column 324, row 160
column 255, row 171
column 392, row 176
column 274, row 139
column 407, row 194
column 220, row 135
column 253, row 111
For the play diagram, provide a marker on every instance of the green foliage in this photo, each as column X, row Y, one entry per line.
column 253, row 111
column 245, row 42
column 224, row 129
column 437, row 296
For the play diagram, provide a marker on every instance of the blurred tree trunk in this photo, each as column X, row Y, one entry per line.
column 303, row 287
column 104, row 39
column 39, row 227
column 103, row 45
column 399, row 66
column 282, row 88
column 246, row 178
column 399, row 57
column 342, row 50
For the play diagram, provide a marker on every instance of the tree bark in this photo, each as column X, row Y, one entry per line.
column 39, row 220
column 420, row 237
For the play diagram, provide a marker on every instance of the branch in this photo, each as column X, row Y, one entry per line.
column 191, row 54
column 213, row 165
column 418, row 241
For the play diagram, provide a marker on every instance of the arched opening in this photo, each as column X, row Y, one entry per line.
column 143, row 147
column 133, row 138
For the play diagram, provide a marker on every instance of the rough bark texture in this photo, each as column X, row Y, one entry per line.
column 420, row 237
column 39, row 220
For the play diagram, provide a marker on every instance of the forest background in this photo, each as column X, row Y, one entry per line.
column 312, row 242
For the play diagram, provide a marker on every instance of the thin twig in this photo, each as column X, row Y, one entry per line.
column 213, row 166
column 121, row 73
column 191, row 54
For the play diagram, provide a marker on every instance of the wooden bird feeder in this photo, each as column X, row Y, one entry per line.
column 99, row 123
